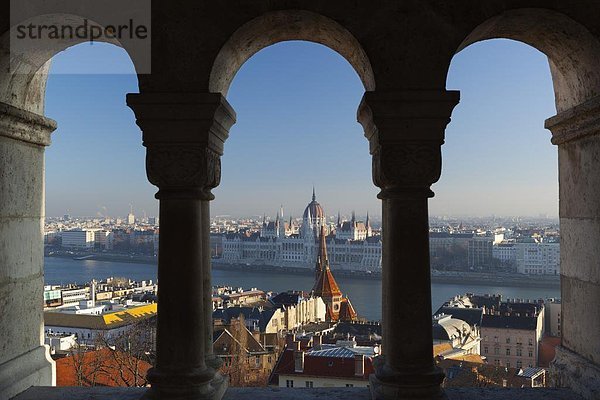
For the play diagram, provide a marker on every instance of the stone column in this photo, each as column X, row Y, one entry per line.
column 184, row 135
column 576, row 132
column 405, row 131
column 24, row 360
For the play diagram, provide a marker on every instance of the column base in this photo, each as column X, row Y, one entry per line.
column 34, row 368
column 408, row 387
column 186, row 386
column 220, row 383
column 570, row 370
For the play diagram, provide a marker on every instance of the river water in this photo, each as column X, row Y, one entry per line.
column 365, row 294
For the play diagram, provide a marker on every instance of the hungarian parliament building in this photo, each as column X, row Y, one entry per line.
column 351, row 244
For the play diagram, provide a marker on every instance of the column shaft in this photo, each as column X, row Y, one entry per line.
column 405, row 130
column 184, row 135
column 407, row 336
column 24, row 360
column 181, row 318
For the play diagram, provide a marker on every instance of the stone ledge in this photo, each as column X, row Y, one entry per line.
column 99, row 393
column 25, row 126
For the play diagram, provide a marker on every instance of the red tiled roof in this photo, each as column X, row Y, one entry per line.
column 332, row 367
column 326, row 286
column 100, row 368
column 347, row 311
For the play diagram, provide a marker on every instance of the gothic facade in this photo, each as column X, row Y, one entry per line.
column 352, row 245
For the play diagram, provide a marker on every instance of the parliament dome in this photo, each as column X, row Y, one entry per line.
column 314, row 210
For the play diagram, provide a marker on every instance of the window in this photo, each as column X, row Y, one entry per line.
column 519, row 352
column 309, row 384
column 531, row 342
column 508, row 352
column 497, row 351
column 507, row 364
column 485, row 350
column 507, row 340
column 496, row 339
column 289, row 383
column 497, row 363
column 349, row 385
column 519, row 364
column 530, row 353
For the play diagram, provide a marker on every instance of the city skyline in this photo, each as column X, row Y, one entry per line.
column 296, row 104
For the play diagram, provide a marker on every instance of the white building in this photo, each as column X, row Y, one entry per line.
column 535, row 257
column 351, row 244
column 78, row 239
column 75, row 295
column 505, row 251
column 87, row 328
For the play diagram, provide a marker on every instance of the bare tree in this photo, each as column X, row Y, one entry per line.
column 129, row 353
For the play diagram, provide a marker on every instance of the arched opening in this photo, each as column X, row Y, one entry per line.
column 494, row 220
column 280, row 26
column 296, row 128
column 95, row 245
column 25, row 133
column 572, row 55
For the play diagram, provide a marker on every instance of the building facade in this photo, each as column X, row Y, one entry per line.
column 352, row 244
column 536, row 257
column 511, row 334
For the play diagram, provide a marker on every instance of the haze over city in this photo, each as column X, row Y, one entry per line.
column 296, row 103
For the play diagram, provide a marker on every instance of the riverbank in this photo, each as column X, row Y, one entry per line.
column 471, row 278
column 125, row 258
column 450, row 277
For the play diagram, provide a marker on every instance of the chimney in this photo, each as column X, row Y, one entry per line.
column 296, row 345
column 298, row 360
column 359, row 364
column 317, row 342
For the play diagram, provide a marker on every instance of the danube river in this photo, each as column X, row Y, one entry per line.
column 364, row 293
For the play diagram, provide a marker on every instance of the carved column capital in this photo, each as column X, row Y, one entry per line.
column 405, row 167
column 405, row 130
column 575, row 123
column 187, row 171
column 184, row 134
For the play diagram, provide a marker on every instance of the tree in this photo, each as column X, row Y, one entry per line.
column 130, row 353
column 236, row 362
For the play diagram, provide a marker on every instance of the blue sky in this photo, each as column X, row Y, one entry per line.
column 296, row 105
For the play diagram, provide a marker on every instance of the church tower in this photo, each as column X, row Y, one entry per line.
column 325, row 285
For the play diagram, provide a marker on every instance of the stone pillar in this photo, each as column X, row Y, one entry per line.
column 184, row 135
column 576, row 132
column 405, row 131
column 24, row 360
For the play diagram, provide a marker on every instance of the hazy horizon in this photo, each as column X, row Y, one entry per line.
column 296, row 105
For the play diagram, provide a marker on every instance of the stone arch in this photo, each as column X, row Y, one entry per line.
column 573, row 52
column 24, row 72
column 279, row 26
